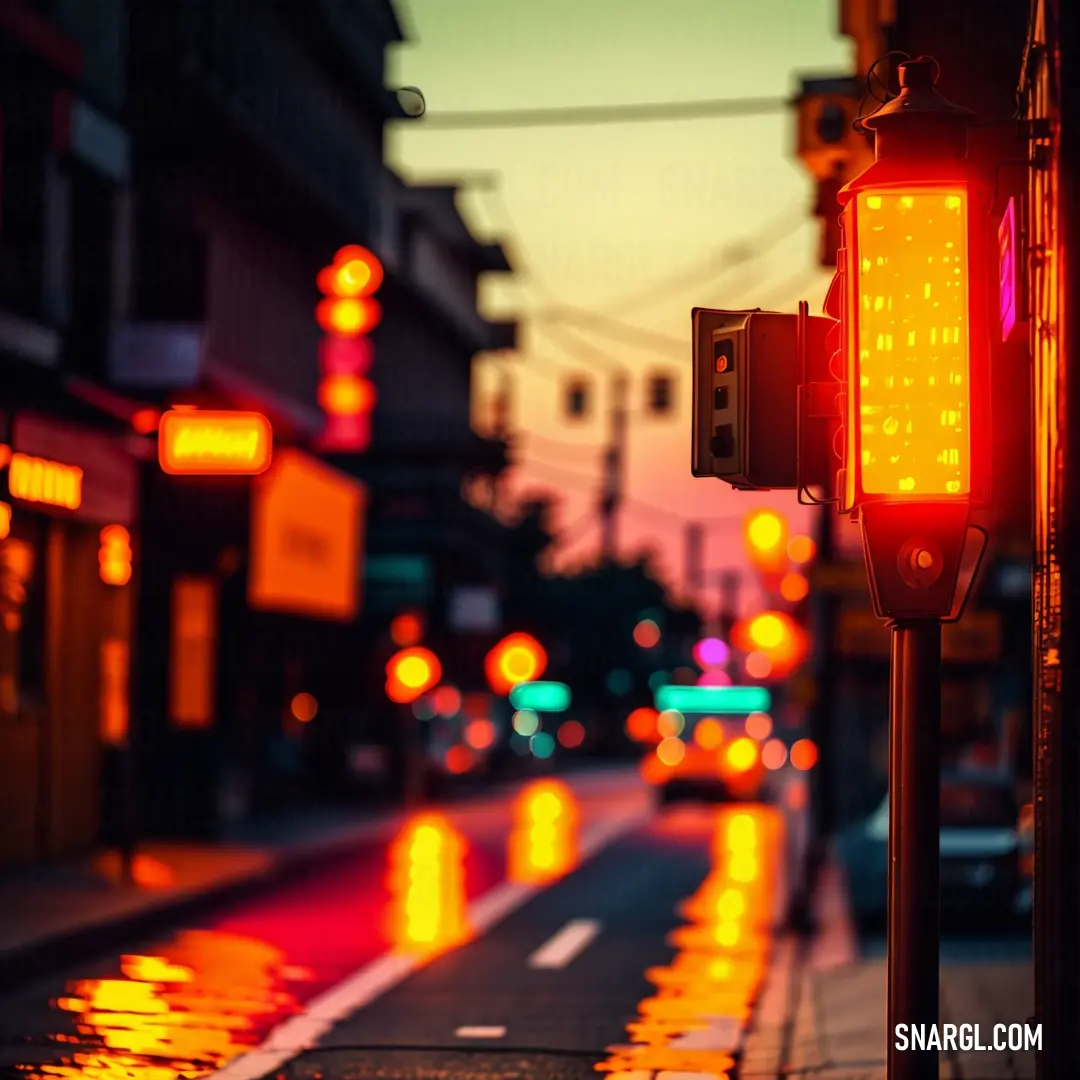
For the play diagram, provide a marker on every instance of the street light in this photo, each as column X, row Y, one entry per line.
column 915, row 324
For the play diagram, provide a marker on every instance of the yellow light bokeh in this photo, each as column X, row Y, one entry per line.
column 911, row 365
column 766, row 531
column 767, row 631
column 742, row 754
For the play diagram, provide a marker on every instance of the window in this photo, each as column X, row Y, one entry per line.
column 577, row 399
column 661, row 395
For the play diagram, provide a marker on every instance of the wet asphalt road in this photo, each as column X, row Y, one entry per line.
column 201, row 999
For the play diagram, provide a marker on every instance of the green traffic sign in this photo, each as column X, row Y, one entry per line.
column 714, row 699
column 541, row 696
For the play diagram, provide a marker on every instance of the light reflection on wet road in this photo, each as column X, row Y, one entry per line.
column 692, row 1024
column 188, row 1005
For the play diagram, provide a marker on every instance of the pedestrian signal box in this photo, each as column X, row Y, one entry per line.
column 748, row 368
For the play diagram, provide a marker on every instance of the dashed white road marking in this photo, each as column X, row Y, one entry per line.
column 480, row 1032
column 564, row 946
column 302, row 1032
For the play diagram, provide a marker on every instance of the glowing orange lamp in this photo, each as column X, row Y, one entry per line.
column 776, row 636
column 114, row 555
column 518, row 658
column 912, row 291
column 411, row 673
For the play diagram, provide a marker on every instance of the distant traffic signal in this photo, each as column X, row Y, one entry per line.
column 518, row 658
column 348, row 312
column 411, row 673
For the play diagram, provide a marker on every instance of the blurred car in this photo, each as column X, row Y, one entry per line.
column 709, row 761
column 981, row 853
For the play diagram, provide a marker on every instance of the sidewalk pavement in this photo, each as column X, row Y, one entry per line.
column 823, row 1014
column 55, row 913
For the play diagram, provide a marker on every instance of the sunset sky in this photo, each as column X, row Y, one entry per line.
column 614, row 219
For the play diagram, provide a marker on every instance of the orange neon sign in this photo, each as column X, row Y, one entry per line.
column 195, row 442
column 37, row 480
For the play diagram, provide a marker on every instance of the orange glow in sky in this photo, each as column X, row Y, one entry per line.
column 598, row 225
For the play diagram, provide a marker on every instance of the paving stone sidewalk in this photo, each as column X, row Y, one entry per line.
column 822, row 1014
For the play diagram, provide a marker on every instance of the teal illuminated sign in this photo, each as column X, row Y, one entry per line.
column 714, row 699
column 541, row 696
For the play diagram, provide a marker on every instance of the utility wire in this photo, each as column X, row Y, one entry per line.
column 581, row 348
column 782, row 294
column 612, row 328
column 585, row 115
column 723, row 260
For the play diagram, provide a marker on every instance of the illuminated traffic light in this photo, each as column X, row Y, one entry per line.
column 518, row 658
column 348, row 312
column 114, row 555
column 913, row 299
column 411, row 673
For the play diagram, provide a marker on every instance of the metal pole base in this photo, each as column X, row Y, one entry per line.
column 914, row 847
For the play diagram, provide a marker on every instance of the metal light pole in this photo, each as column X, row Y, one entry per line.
column 914, row 825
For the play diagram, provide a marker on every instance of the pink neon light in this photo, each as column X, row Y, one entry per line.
column 1007, row 270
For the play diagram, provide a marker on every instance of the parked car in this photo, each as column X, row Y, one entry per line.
column 981, row 858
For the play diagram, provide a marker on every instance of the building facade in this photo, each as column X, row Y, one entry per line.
column 69, row 519
column 202, row 648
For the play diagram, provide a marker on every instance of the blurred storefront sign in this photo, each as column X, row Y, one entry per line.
column 975, row 639
column 392, row 581
column 73, row 471
column 474, row 608
column 307, row 526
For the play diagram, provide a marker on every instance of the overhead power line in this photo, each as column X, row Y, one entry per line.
column 587, row 115
column 613, row 328
column 582, row 349
column 724, row 259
